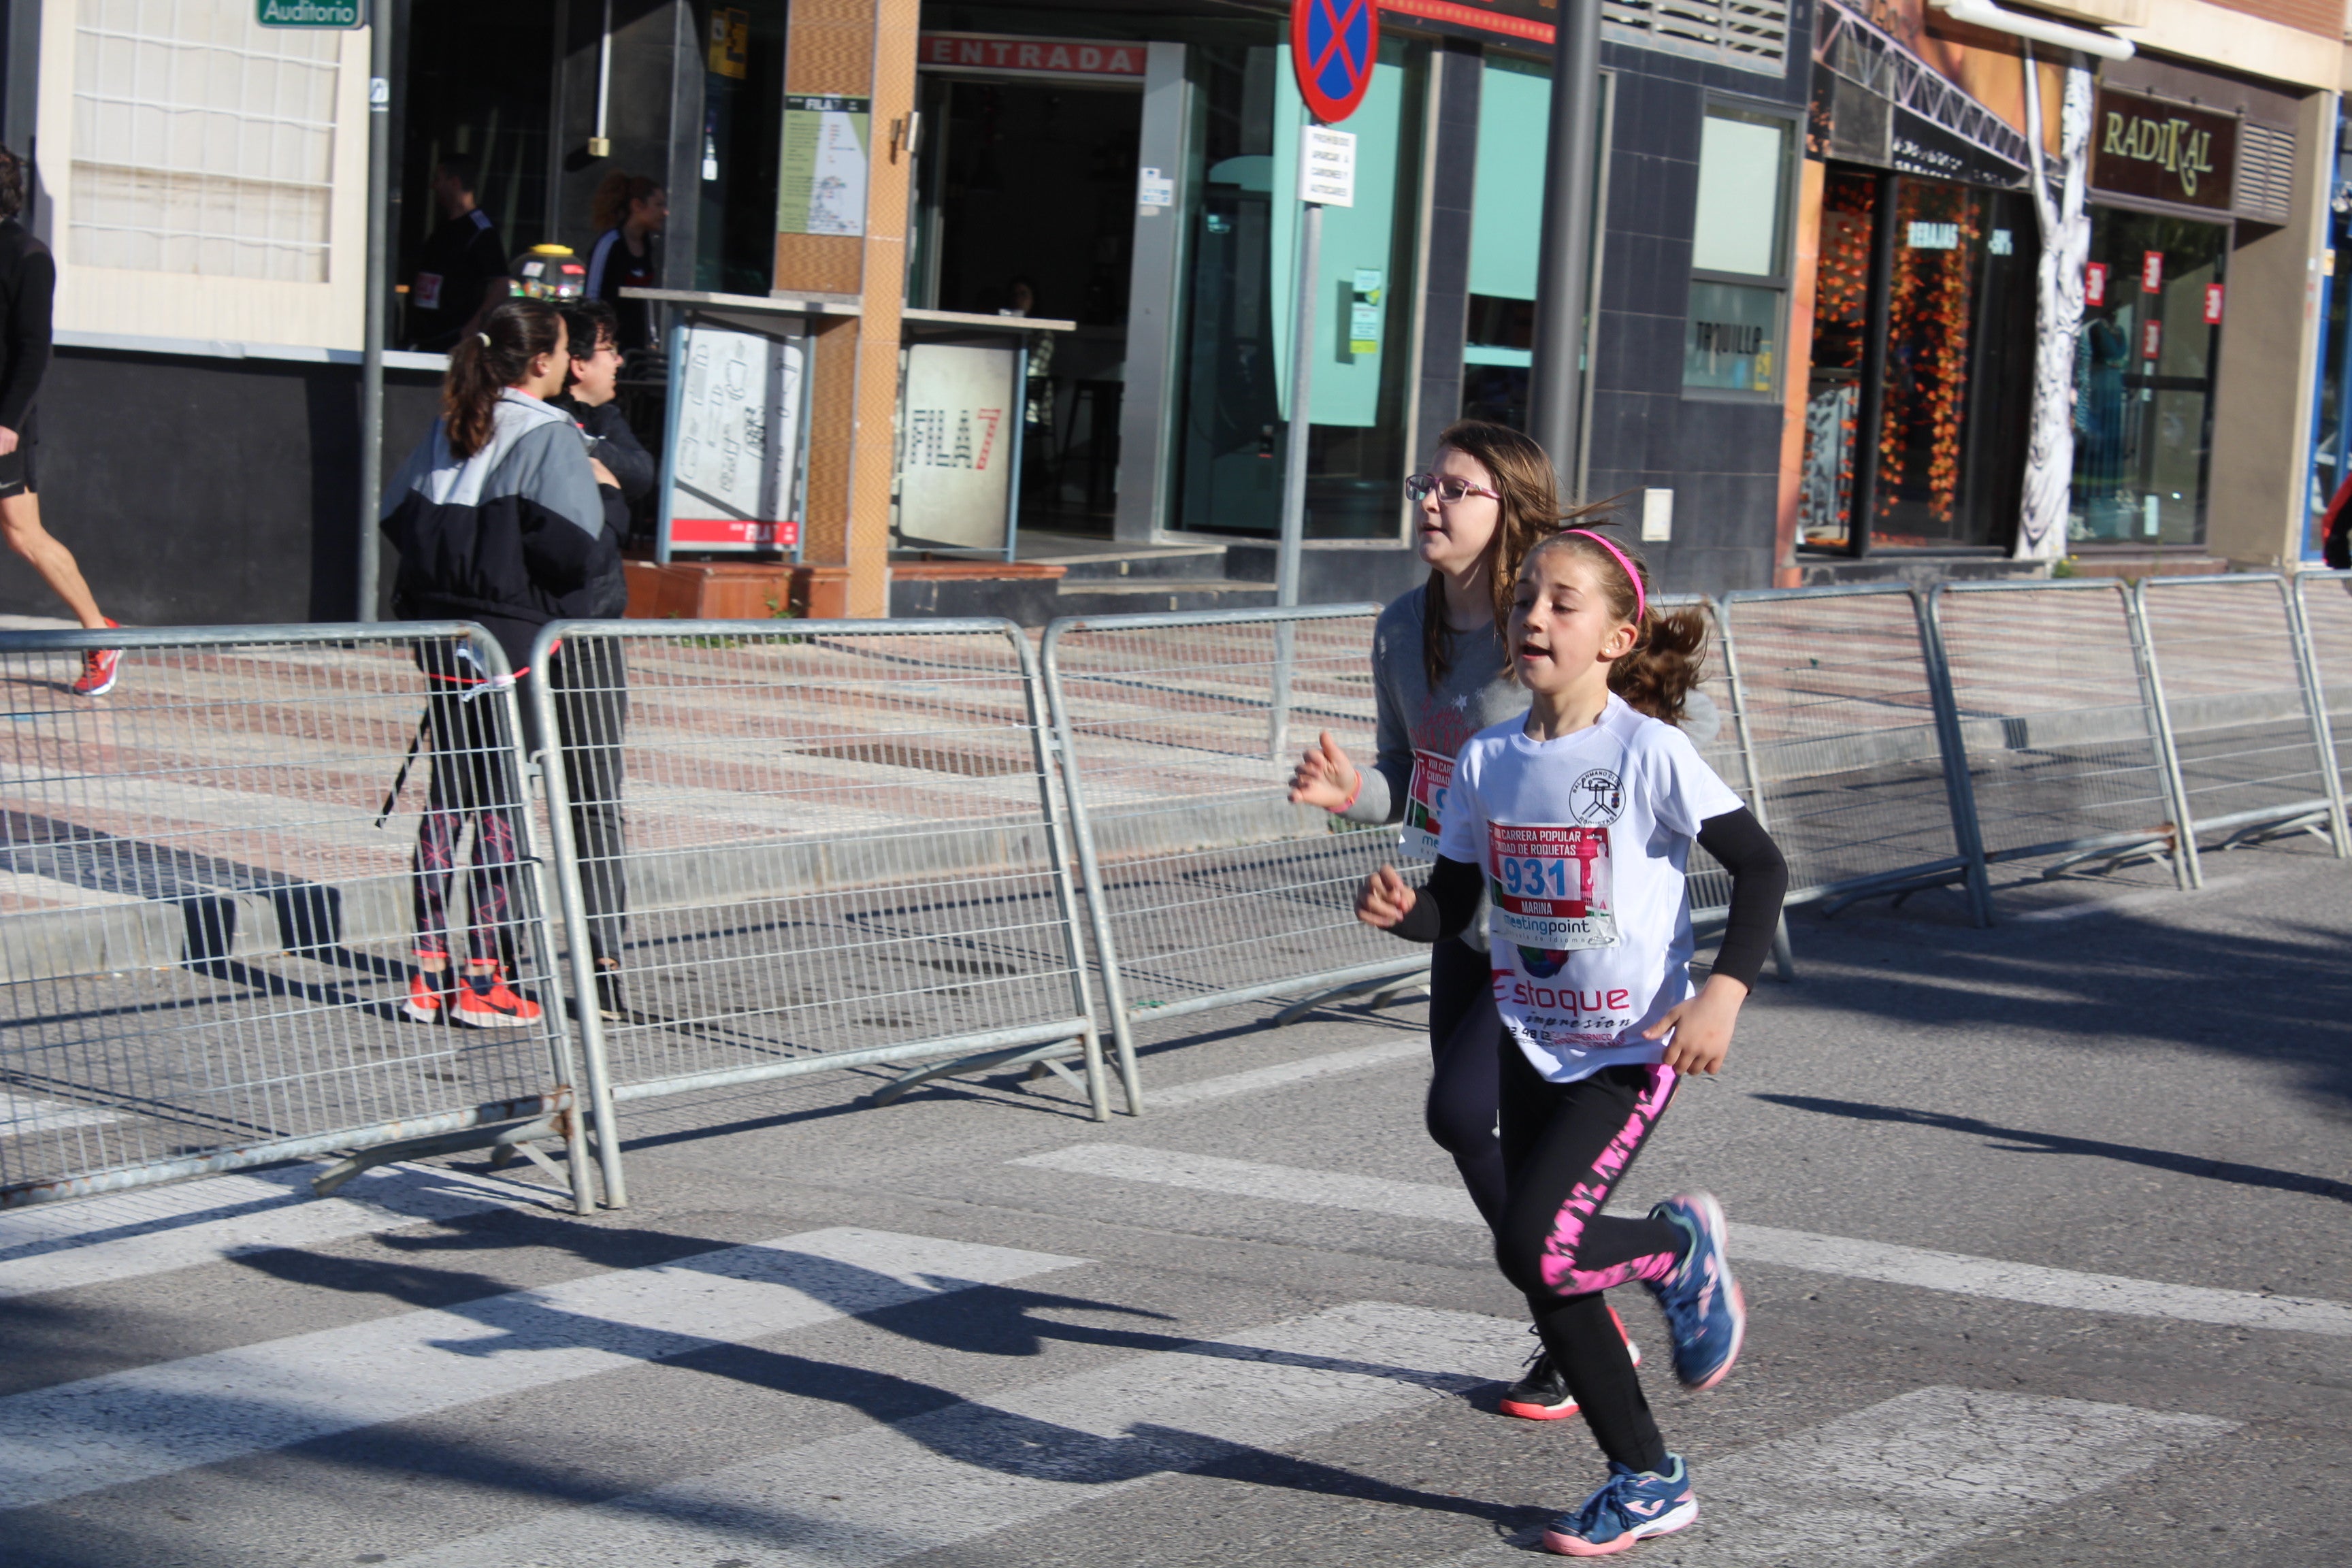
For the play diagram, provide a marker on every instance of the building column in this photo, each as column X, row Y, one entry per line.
column 860, row 49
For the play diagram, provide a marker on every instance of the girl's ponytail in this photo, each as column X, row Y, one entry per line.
column 493, row 353
column 1669, row 653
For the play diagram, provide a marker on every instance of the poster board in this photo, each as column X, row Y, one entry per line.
column 735, row 451
column 822, row 186
column 960, row 444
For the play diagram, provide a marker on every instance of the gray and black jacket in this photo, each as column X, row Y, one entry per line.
column 515, row 536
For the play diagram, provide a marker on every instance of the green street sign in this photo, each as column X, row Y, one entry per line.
column 344, row 13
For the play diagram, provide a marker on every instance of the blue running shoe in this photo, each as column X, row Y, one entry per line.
column 1705, row 1312
column 1631, row 1506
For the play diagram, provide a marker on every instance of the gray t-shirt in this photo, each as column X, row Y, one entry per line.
column 1415, row 720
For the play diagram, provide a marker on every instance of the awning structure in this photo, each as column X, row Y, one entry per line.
column 1875, row 102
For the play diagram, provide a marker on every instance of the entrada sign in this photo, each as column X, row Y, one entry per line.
column 2147, row 147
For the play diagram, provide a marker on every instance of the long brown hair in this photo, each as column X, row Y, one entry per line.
column 1669, row 654
column 493, row 353
column 609, row 208
column 1530, row 509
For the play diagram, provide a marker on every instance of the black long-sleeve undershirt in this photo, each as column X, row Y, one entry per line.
column 29, row 279
column 1759, row 881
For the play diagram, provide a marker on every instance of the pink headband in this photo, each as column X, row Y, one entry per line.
column 1641, row 600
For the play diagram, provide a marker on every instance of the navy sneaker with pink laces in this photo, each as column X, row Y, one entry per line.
column 1707, row 1314
column 1632, row 1505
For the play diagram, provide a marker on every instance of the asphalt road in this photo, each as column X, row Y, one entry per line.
column 2043, row 1228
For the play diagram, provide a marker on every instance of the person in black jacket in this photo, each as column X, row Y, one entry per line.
column 29, row 279
column 589, row 676
column 461, row 260
column 500, row 517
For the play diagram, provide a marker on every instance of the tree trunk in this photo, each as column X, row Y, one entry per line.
column 2066, row 226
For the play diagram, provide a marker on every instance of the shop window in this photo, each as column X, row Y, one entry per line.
column 1834, row 395
column 1739, row 247
column 2144, row 369
column 1236, row 353
column 203, row 142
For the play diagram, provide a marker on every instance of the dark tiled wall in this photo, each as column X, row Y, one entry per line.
column 1721, row 458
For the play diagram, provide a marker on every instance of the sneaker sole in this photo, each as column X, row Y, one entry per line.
column 1527, row 1411
column 491, row 1020
column 82, row 691
column 1675, row 1518
column 421, row 1014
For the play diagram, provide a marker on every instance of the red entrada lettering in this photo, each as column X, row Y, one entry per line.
column 1076, row 59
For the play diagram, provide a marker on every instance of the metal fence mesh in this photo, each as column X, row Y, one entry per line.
column 1842, row 737
column 2225, row 653
column 206, row 941
column 828, row 840
column 1712, row 722
column 2325, row 599
column 1206, row 881
column 2056, row 765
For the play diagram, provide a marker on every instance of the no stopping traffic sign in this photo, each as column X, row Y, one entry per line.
column 1333, row 44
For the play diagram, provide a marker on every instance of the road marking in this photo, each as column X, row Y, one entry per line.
column 1900, row 1481
column 972, row 1468
column 2122, row 902
column 122, row 1236
column 1883, row 1261
column 22, row 1114
column 129, row 1426
column 1258, row 1079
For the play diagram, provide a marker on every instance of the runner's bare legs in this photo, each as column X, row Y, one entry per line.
column 20, row 519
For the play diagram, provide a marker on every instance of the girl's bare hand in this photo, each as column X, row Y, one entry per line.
column 1701, row 1025
column 1324, row 776
column 1383, row 899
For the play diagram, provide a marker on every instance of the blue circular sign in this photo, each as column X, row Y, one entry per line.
column 1333, row 44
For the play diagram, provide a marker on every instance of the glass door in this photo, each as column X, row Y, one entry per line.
column 2153, row 302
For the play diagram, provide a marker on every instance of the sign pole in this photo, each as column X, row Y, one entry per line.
column 371, row 352
column 1564, row 276
column 1302, row 387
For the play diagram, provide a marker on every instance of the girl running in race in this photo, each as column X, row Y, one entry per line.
column 1578, row 821
column 1439, row 676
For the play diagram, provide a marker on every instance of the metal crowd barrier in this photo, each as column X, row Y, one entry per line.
column 2241, row 711
column 2323, row 604
column 1713, row 724
column 2056, row 711
column 1205, row 886
column 793, row 846
column 1849, row 742
column 206, row 943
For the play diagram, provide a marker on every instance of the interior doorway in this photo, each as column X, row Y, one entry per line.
column 1025, row 197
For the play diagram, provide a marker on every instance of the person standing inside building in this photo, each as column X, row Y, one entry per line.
column 28, row 281
column 458, row 262
column 628, row 211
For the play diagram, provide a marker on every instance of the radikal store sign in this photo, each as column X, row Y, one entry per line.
column 2163, row 152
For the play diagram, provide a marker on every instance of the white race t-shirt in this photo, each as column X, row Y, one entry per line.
column 1583, row 841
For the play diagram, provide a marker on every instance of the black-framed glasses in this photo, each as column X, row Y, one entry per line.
column 1421, row 486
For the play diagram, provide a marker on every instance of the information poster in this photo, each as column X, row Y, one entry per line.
column 735, row 441
column 959, row 421
column 823, row 189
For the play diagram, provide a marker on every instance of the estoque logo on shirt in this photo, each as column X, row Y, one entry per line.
column 1599, row 797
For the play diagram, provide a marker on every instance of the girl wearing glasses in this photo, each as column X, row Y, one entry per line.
column 1441, row 676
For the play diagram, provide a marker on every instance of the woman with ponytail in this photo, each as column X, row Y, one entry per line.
column 500, row 518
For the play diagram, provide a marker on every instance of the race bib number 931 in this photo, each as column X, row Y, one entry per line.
column 1550, row 887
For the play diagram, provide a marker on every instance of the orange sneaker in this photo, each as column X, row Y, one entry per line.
column 427, row 996
column 492, row 1005
column 100, row 667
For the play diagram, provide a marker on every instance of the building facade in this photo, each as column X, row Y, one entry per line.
column 1819, row 297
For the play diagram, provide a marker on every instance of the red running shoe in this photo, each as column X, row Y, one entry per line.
column 1542, row 1394
column 492, row 1005
column 428, row 997
column 100, row 667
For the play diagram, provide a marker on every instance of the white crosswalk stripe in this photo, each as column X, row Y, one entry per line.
column 1885, row 1261
column 104, row 1431
column 974, row 1468
column 23, row 1113
column 122, row 1236
column 1900, row 1481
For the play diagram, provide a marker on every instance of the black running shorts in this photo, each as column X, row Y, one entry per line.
column 17, row 467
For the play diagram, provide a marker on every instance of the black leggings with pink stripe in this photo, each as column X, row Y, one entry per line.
column 1565, row 1146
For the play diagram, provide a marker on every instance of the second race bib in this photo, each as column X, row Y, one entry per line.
column 1550, row 887
column 1424, row 805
